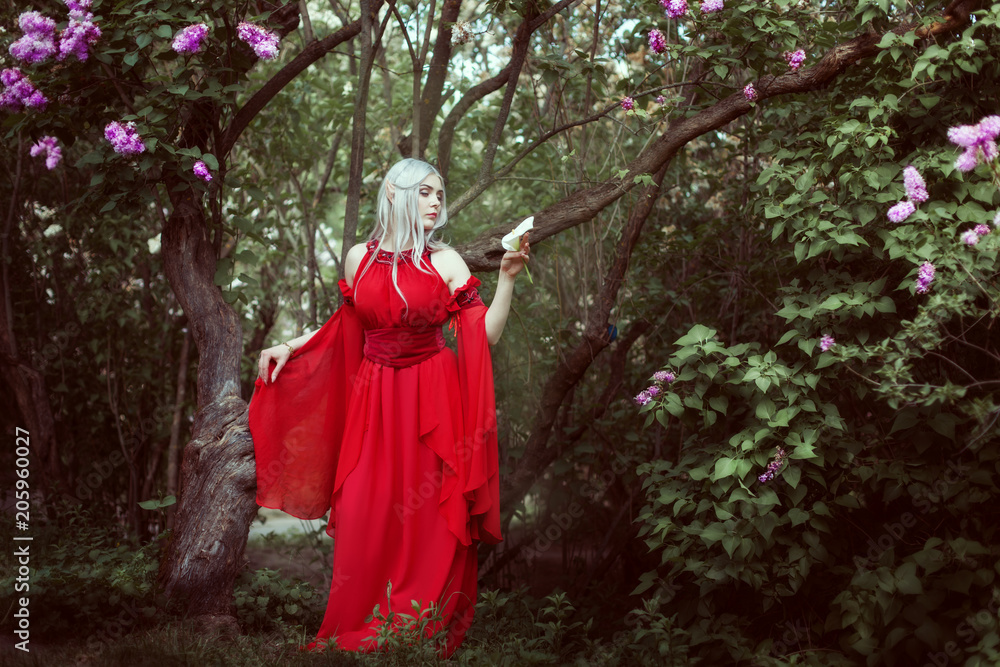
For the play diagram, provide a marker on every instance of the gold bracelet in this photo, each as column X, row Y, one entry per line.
column 290, row 347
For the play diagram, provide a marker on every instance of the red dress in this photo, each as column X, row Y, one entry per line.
column 375, row 418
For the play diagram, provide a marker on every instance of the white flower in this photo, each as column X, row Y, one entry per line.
column 513, row 240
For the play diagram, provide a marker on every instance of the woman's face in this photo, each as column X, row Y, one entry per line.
column 430, row 196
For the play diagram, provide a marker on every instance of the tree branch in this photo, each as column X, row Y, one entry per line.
column 484, row 252
column 571, row 369
column 313, row 52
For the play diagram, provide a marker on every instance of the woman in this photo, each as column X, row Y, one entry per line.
column 375, row 418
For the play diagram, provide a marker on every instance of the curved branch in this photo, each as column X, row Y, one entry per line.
column 447, row 134
column 571, row 368
column 313, row 52
column 485, row 252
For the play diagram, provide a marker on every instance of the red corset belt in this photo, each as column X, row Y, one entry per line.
column 400, row 347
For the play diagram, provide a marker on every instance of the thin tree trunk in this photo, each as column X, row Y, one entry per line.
column 369, row 11
column 174, row 449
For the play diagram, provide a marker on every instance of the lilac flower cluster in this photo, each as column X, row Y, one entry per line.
column 971, row 236
column 661, row 100
column 657, row 42
column 124, row 138
column 711, row 6
column 773, row 467
column 654, row 390
column 826, row 342
column 189, row 40
column 628, row 103
column 201, row 171
column 979, row 142
column 79, row 35
column 925, row 276
column 750, row 92
column 901, row 211
column 263, row 43
column 39, row 40
column 49, row 146
column 916, row 190
column 675, row 8
column 19, row 93
column 795, row 59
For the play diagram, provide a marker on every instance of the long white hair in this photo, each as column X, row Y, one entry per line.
column 399, row 221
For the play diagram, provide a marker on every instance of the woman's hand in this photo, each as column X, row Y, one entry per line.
column 280, row 354
column 515, row 260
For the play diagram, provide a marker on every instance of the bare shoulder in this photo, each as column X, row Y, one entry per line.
column 353, row 261
column 452, row 267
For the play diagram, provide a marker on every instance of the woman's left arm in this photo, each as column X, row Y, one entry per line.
column 511, row 264
column 453, row 269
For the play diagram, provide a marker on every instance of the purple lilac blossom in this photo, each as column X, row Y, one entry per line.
column 982, row 230
column 189, row 39
column 653, row 390
column 628, row 103
column 643, row 398
column 795, row 58
column 710, row 6
column 979, row 142
column 970, row 237
column 916, row 189
column 263, row 43
column 124, row 138
column 773, row 467
column 20, row 92
column 924, row 277
column 665, row 377
column 661, row 100
column 201, row 171
column 79, row 5
column 826, row 342
column 49, row 146
column 675, row 8
column 657, row 42
column 37, row 25
column 79, row 35
column 32, row 50
column 749, row 92
column 901, row 211
column 39, row 40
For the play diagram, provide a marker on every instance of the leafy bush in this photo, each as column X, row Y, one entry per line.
column 86, row 579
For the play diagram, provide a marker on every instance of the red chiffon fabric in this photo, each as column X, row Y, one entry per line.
column 403, row 449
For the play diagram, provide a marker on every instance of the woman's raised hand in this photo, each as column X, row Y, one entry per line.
column 280, row 354
column 515, row 260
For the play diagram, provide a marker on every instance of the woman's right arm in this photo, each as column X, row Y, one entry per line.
column 282, row 352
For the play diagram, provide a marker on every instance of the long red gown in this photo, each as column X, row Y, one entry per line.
column 375, row 418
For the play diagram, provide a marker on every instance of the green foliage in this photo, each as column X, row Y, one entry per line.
column 86, row 579
column 876, row 538
column 263, row 600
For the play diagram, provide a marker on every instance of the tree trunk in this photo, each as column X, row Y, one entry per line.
column 217, row 498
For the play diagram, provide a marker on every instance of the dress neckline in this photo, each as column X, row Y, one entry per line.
column 385, row 256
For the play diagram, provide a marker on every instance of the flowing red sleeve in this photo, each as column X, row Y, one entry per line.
column 297, row 422
column 479, row 452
